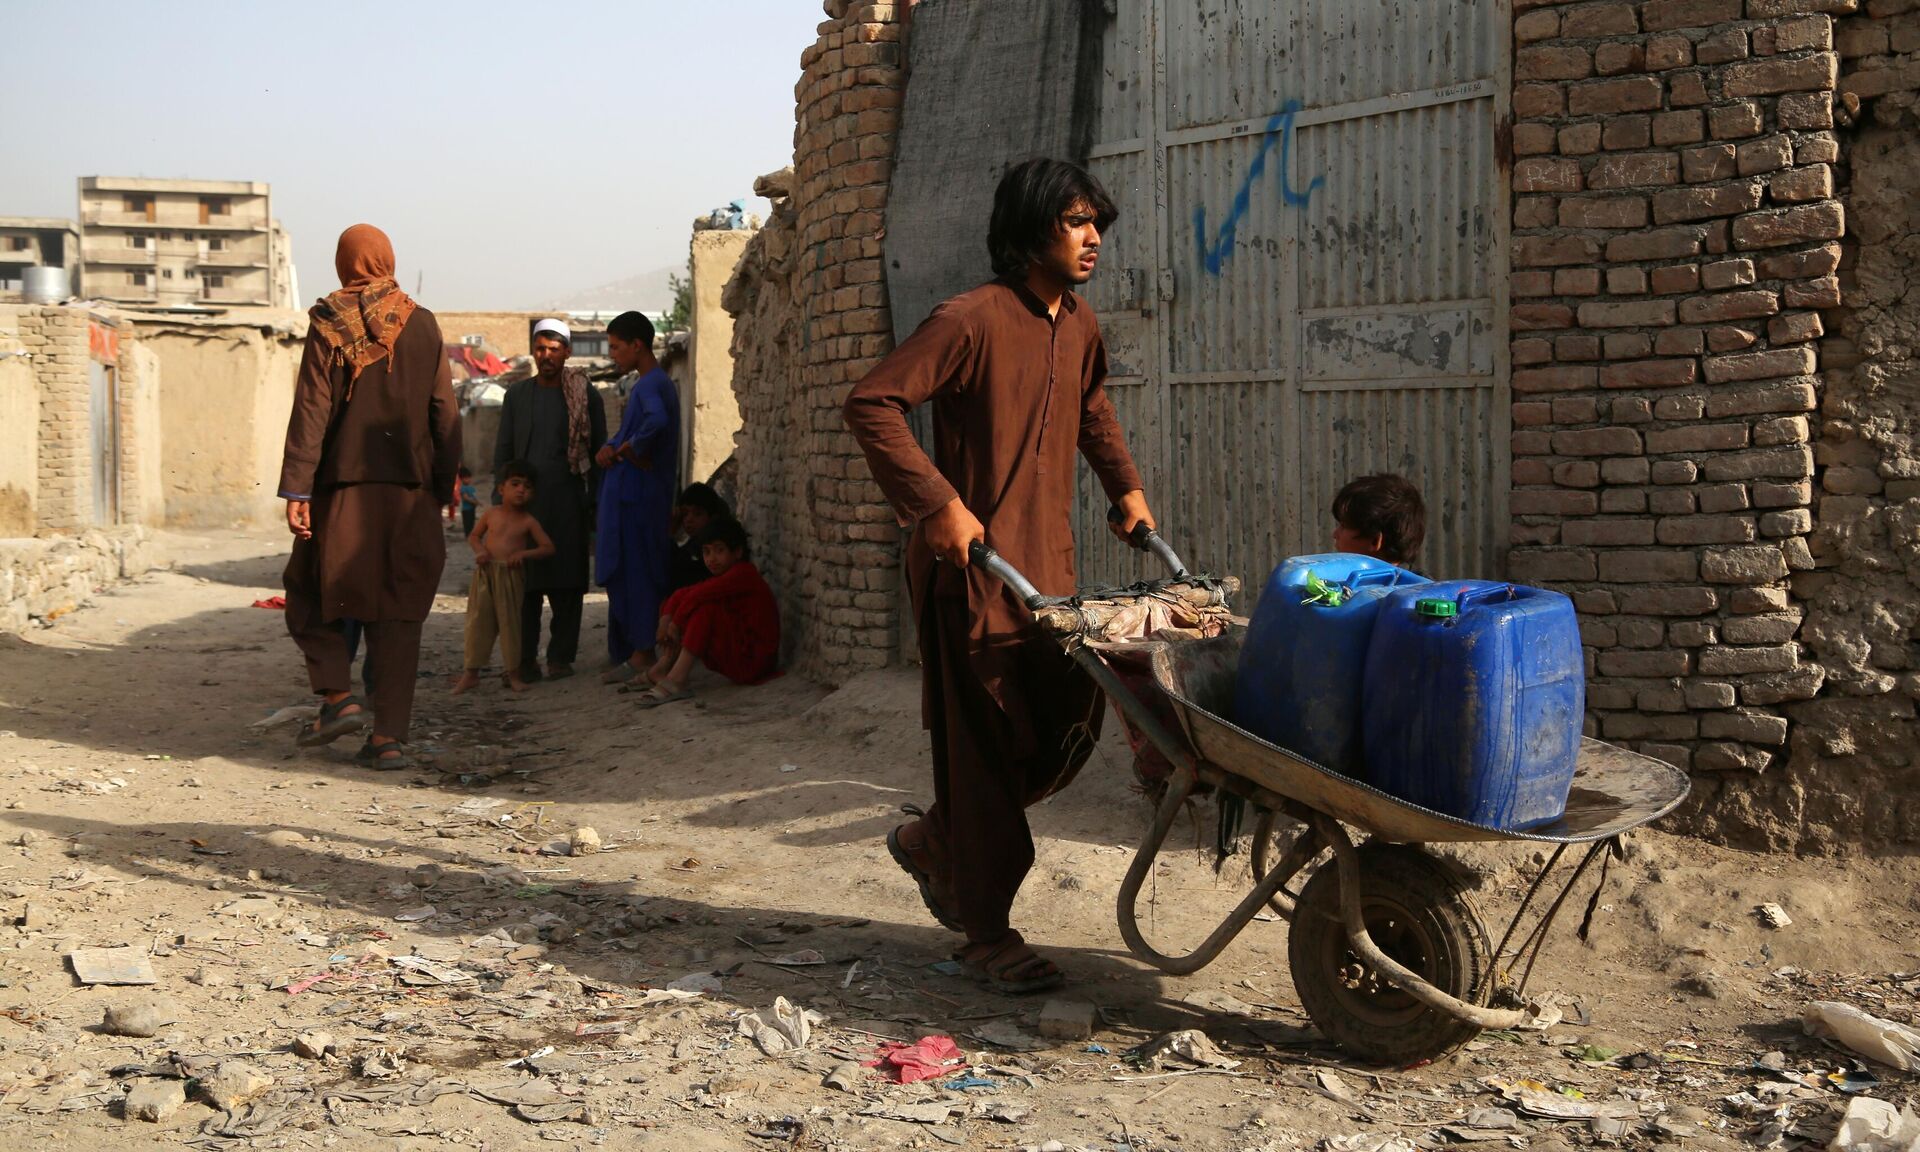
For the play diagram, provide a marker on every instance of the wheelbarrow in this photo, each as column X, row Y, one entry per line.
column 1387, row 951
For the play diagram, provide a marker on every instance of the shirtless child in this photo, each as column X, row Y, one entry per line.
column 505, row 538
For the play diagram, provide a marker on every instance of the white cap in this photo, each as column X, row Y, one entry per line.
column 553, row 328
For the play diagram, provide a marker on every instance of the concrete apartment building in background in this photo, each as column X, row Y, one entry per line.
column 35, row 242
column 183, row 243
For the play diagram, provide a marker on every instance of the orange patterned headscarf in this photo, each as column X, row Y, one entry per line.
column 361, row 322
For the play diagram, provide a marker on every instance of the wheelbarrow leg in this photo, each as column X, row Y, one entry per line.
column 1178, row 789
column 1347, row 860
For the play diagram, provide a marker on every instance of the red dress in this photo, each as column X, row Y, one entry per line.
column 731, row 622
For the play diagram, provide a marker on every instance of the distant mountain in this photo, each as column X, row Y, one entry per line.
column 647, row 292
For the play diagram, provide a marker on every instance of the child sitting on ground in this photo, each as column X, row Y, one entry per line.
column 697, row 506
column 729, row 621
column 506, row 537
column 1381, row 516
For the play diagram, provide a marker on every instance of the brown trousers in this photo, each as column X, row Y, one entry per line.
column 987, row 769
column 393, row 660
column 493, row 608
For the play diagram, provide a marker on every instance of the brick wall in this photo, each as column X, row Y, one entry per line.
column 57, row 337
column 811, row 319
column 1674, row 231
column 1676, row 242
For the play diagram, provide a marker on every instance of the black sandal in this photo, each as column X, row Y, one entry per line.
column 376, row 756
column 332, row 724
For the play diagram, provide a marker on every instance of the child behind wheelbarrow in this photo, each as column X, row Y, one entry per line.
column 1381, row 516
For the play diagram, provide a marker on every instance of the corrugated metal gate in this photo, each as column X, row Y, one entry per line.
column 1308, row 280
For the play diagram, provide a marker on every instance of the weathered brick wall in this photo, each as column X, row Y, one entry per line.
column 42, row 580
column 1674, row 228
column 1853, row 771
column 804, row 488
column 57, row 337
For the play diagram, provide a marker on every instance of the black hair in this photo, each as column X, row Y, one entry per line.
column 1390, row 506
column 1028, row 205
column 726, row 531
column 633, row 327
column 464, row 472
column 517, row 470
column 702, row 496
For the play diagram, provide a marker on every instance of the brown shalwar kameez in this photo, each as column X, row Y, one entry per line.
column 1012, row 718
column 375, row 452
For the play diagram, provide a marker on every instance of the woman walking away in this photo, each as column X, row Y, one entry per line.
column 372, row 449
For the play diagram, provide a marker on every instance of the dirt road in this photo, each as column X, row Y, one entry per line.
column 270, row 890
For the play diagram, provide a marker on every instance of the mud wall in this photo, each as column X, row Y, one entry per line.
column 709, row 408
column 19, row 426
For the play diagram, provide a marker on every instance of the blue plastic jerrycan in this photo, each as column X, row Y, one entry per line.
column 1473, row 702
column 1305, row 652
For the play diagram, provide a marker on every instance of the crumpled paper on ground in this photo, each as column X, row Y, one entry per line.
column 932, row 1056
column 1185, row 1049
column 788, row 1030
column 1871, row 1125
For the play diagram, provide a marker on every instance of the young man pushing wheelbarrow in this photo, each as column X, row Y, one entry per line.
column 1015, row 372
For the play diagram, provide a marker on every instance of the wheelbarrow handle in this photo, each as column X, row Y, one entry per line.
column 979, row 553
column 1145, row 539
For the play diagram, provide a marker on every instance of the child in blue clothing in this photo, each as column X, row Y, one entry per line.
column 469, row 499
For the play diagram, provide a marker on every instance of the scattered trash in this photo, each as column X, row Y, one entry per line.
column 1537, row 1099
column 125, row 965
column 1189, row 1048
column 964, row 1083
column 277, row 603
column 416, row 915
column 1773, row 916
column 140, row 1019
column 935, row 1113
column 1870, row 1125
column 1368, row 1142
column 845, row 1076
column 155, row 1100
column 1068, row 1020
column 1334, row 1088
column 804, row 958
column 1883, row 1040
column 1492, row 1118
column 1097, row 1049
column 418, row 970
column 789, row 767
column 698, row 983
column 788, row 1029
column 583, row 842
column 528, row 1059
column 383, row 1064
column 926, row 1059
column 290, row 712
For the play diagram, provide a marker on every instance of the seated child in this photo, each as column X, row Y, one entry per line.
column 505, row 538
column 729, row 621
column 698, row 506
column 1381, row 516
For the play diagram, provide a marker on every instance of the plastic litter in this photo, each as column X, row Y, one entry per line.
column 1871, row 1125
column 1189, row 1048
column 785, row 1028
column 1876, row 1039
column 930, row 1057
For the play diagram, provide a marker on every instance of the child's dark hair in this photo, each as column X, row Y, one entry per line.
column 703, row 497
column 1389, row 506
column 465, row 473
column 726, row 531
column 517, row 470
column 1028, row 205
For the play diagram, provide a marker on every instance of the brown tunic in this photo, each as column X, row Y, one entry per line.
column 376, row 468
column 1014, row 393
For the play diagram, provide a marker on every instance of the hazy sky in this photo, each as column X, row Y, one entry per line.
column 514, row 152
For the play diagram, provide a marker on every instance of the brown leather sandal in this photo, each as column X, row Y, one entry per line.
column 1009, row 965
column 912, row 847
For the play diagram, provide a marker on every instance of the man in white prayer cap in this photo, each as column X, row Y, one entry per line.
column 556, row 423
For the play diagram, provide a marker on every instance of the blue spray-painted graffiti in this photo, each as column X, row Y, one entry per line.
column 1279, row 133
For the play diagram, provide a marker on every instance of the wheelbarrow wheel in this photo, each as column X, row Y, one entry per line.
column 1417, row 910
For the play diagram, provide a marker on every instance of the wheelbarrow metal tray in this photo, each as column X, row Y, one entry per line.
column 1613, row 791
